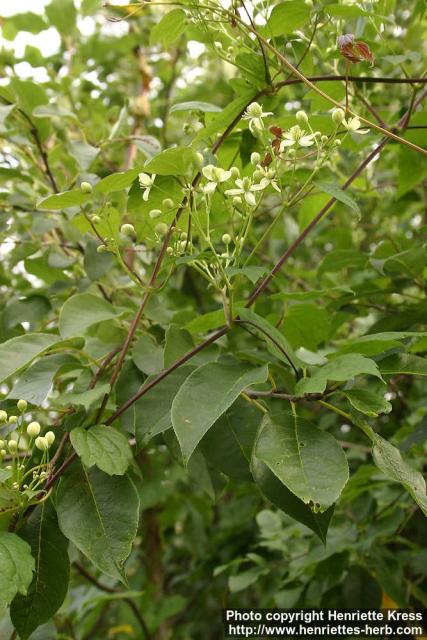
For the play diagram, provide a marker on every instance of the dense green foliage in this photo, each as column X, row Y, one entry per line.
column 213, row 314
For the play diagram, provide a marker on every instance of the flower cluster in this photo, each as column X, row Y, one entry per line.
column 18, row 444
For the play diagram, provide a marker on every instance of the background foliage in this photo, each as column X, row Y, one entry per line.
column 208, row 451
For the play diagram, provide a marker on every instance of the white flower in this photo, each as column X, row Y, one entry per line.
column 146, row 182
column 246, row 188
column 267, row 177
column 353, row 125
column 255, row 114
column 214, row 175
column 296, row 136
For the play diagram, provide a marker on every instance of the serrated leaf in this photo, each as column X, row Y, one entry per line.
column 81, row 312
column 389, row 460
column 16, row 566
column 17, row 352
column 104, row 447
column 205, row 396
column 49, row 586
column 64, row 200
column 308, row 461
column 99, row 514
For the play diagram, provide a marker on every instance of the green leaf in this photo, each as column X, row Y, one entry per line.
column 281, row 497
column 104, row 447
column 389, row 460
column 306, row 325
column 252, row 273
column 178, row 342
column 147, row 355
column 16, row 566
column 34, row 385
column 153, row 410
column 62, row 14
column 170, row 27
column 286, row 17
column 17, row 352
column 204, row 397
column 338, row 369
column 87, row 399
column 403, row 363
column 206, row 322
column 99, row 514
column 335, row 261
column 368, row 402
column 64, row 200
column 83, row 311
column 49, row 586
column 308, row 461
column 195, row 105
column 340, row 195
column 172, row 162
column 276, row 342
column 116, row 181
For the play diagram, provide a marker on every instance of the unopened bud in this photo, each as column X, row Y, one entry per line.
column 12, row 446
column 86, row 187
column 127, row 229
column 155, row 213
column 50, row 437
column 198, row 159
column 95, row 219
column 22, row 405
column 161, row 228
column 33, row 429
column 338, row 115
column 41, row 443
column 102, row 248
column 254, row 110
column 13, row 419
column 302, row 117
column 237, row 200
column 3, row 416
column 226, row 238
column 167, row 203
column 235, row 173
column 169, row 251
column 255, row 158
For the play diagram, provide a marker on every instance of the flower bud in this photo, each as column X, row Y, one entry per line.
column 22, row 405
column 3, row 452
column 167, row 204
column 13, row 419
column 86, row 187
column 183, row 235
column 127, row 230
column 169, row 251
column 258, row 175
column 12, row 446
column 50, row 437
column 338, row 115
column 33, row 429
column 95, row 219
column 324, row 139
column 2, row 444
column 235, row 173
column 255, row 158
column 161, row 228
column 102, row 248
column 237, row 200
column 226, row 238
column 155, row 213
column 301, row 117
column 3, row 416
column 41, row 443
column 254, row 110
column 198, row 159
